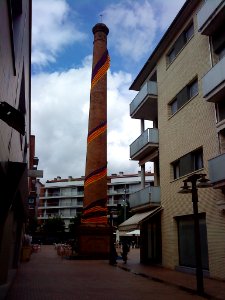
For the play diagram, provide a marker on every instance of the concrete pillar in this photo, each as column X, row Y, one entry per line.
column 142, row 125
column 143, row 176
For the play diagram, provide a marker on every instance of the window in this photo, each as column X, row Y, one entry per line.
column 188, row 163
column 171, row 55
column 174, row 106
column 218, row 42
column 189, row 32
column 193, row 89
column 184, row 96
column 221, row 111
column 222, row 53
column 176, row 169
column 185, row 36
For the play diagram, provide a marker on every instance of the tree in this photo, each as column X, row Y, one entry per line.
column 54, row 226
column 74, row 223
column 32, row 225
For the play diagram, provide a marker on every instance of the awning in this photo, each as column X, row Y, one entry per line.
column 135, row 221
column 134, row 232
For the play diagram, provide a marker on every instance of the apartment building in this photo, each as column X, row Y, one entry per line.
column 64, row 197
column 181, row 89
column 15, row 57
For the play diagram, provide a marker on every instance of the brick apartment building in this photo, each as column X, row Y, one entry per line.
column 64, row 197
column 15, row 74
column 181, row 89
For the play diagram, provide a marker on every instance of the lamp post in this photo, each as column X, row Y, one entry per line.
column 202, row 183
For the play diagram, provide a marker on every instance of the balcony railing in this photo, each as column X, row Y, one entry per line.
column 210, row 16
column 144, row 144
column 213, row 83
column 147, row 196
column 217, row 168
column 144, row 105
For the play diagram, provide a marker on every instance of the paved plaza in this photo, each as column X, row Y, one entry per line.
column 48, row 276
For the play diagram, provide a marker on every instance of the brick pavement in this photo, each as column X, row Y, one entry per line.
column 214, row 289
column 47, row 276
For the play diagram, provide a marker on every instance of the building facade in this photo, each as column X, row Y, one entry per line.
column 64, row 197
column 15, row 74
column 181, row 89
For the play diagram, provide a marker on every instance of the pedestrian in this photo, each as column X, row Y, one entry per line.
column 113, row 255
column 125, row 249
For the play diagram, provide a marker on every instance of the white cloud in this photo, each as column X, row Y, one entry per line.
column 52, row 30
column 132, row 27
column 60, row 107
column 165, row 12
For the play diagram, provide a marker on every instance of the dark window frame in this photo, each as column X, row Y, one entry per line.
column 184, row 96
column 180, row 42
column 188, row 163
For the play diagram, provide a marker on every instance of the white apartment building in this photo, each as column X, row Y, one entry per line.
column 64, row 197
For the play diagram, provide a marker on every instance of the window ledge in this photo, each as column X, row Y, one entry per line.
column 186, row 175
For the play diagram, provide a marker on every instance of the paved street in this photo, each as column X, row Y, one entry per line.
column 47, row 276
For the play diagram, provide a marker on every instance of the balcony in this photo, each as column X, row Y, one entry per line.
column 216, row 171
column 149, row 197
column 145, row 144
column 211, row 16
column 213, row 83
column 144, row 105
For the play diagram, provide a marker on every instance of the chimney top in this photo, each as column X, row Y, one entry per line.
column 100, row 27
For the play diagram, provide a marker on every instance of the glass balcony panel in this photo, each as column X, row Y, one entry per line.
column 216, row 168
column 213, row 83
column 210, row 16
column 149, row 195
column 147, row 142
column 147, row 97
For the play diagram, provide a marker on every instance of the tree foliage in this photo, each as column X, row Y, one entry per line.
column 54, row 225
column 74, row 223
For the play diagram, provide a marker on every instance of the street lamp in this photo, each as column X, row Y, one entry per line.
column 197, row 181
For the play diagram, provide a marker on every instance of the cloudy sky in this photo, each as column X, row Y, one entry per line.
column 61, row 76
